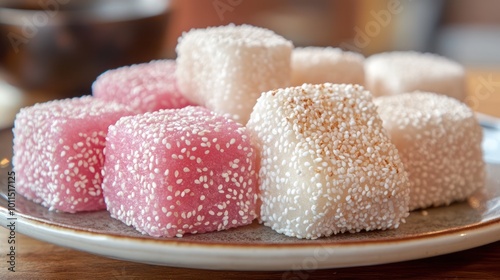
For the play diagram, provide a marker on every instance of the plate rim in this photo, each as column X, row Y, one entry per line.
column 255, row 257
column 25, row 218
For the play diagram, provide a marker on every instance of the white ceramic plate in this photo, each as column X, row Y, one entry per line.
column 428, row 233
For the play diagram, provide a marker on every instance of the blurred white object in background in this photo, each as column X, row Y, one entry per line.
column 470, row 45
column 11, row 100
column 415, row 25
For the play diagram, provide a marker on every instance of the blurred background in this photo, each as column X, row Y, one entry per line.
column 56, row 48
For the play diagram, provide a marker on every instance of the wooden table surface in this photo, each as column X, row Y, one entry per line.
column 40, row 260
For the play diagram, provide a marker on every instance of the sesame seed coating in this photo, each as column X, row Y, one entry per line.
column 178, row 171
column 226, row 68
column 58, row 152
column 317, row 65
column 145, row 87
column 399, row 72
column 326, row 164
column 439, row 141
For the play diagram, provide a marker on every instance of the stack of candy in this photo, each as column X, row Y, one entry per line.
column 243, row 127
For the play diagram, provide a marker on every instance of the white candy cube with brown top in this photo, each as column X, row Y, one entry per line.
column 326, row 164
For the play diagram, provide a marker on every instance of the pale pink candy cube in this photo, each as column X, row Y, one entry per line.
column 58, row 152
column 173, row 172
column 146, row 87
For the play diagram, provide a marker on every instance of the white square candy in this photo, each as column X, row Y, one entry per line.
column 227, row 68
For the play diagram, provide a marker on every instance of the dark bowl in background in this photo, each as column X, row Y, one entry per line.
column 63, row 45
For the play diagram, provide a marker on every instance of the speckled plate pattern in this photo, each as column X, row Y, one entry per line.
column 436, row 231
